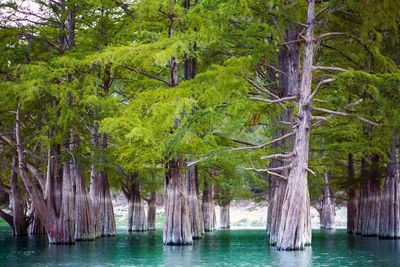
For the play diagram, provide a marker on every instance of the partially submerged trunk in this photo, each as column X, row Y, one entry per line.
column 327, row 216
column 389, row 226
column 208, row 207
column 371, row 224
column 362, row 198
column 295, row 224
column 225, row 218
column 55, row 209
column 36, row 227
column 84, row 224
column 151, row 211
column 195, row 212
column 18, row 205
column 101, row 197
column 177, row 229
column 136, row 214
column 289, row 82
column 352, row 203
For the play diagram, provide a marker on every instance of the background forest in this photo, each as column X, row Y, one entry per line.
column 200, row 102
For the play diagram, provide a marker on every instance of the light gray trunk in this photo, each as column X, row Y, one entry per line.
column 352, row 203
column 177, row 229
column 289, row 82
column 295, row 224
column 208, row 207
column 225, row 218
column 327, row 215
column 151, row 211
column 195, row 212
column 389, row 226
column 136, row 214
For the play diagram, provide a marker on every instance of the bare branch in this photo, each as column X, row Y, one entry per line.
column 311, row 171
column 328, row 68
column 262, row 88
column 281, row 168
column 328, row 34
column 267, row 171
column 277, row 156
column 150, row 75
column 279, row 100
column 319, row 86
column 263, row 145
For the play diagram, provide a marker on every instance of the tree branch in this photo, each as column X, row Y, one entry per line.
column 319, row 86
column 328, row 68
column 267, row 171
column 279, row 100
column 277, row 156
column 150, row 75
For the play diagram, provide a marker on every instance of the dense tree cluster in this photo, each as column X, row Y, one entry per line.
column 200, row 102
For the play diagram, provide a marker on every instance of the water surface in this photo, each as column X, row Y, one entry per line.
column 221, row 248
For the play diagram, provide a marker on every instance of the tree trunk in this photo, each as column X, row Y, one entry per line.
column 362, row 198
column 18, row 206
column 289, row 81
column 295, row 224
column 151, row 211
column 84, row 225
column 371, row 225
column 208, row 206
column 36, row 227
column 136, row 214
column 177, row 224
column 100, row 195
column 389, row 226
column 195, row 212
column 177, row 230
column 55, row 209
column 352, row 203
column 327, row 216
column 225, row 219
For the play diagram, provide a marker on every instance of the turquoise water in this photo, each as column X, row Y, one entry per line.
column 221, row 248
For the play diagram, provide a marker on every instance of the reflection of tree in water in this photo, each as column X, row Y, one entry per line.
column 292, row 258
column 180, row 255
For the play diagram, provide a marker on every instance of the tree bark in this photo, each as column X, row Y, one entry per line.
column 225, row 218
column 289, row 80
column 327, row 217
column 295, row 224
column 100, row 195
column 195, row 212
column 177, row 229
column 389, row 226
column 151, row 211
column 352, row 203
column 36, row 227
column 371, row 227
column 208, row 207
column 136, row 214
column 18, row 207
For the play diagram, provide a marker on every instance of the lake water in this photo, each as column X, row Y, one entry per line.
column 220, row 248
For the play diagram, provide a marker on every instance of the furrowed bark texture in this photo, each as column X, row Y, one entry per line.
column 36, row 227
column 56, row 208
column 20, row 221
column 136, row 214
column 371, row 225
column 295, row 224
column 389, row 226
column 151, row 211
column 289, row 82
column 177, row 230
column 101, row 197
column 225, row 218
column 208, row 207
column 352, row 203
column 327, row 217
column 195, row 211
column 362, row 198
